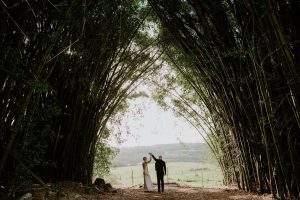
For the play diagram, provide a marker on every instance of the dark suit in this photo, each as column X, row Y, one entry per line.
column 160, row 167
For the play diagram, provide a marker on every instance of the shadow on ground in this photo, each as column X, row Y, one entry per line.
column 186, row 193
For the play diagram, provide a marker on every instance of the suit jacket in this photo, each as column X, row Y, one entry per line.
column 160, row 166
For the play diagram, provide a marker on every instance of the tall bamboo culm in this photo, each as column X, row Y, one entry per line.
column 242, row 60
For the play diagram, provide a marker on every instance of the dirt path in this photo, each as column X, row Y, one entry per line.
column 70, row 190
column 184, row 193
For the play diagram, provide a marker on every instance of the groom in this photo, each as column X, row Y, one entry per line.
column 160, row 167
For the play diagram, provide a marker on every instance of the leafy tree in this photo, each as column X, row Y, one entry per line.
column 103, row 156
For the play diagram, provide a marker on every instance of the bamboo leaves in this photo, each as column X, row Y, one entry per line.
column 244, row 71
column 81, row 57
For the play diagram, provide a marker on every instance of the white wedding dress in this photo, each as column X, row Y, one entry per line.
column 147, row 179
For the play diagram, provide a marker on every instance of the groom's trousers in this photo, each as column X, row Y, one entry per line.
column 160, row 181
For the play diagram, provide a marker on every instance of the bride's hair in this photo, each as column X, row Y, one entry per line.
column 144, row 158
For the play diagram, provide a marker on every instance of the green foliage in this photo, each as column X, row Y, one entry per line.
column 244, row 74
column 38, row 133
column 65, row 70
column 104, row 155
column 138, row 95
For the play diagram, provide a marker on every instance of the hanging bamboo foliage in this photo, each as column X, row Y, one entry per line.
column 65, row 68
column 243, row 65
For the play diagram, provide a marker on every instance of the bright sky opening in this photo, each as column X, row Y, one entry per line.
column 153, row 125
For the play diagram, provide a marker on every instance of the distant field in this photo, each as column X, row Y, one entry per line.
column 187, row 173
column 188, row 152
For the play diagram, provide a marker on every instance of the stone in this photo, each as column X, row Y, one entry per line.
column 27, row 196
column 107, row 187
column 114, row 191
column 99, row 182
column 77, row 196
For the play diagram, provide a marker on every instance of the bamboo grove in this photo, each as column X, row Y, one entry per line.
column 242, row 63
column 66, row 67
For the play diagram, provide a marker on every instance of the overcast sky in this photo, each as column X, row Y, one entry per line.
column 154, row 126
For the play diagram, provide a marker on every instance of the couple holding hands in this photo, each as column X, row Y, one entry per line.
column 160, row 167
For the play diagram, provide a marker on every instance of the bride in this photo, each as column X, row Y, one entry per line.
column 147, row 179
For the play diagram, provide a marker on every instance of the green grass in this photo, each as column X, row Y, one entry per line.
column 187, row 173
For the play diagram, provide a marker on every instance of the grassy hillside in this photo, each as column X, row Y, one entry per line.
column 185, row 173
column 188, row 152
column 190, row 164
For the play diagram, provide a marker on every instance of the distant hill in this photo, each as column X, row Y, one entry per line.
column 187, row 152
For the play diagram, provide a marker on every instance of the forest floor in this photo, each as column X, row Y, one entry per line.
column 70, row 190
column 184, row 193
